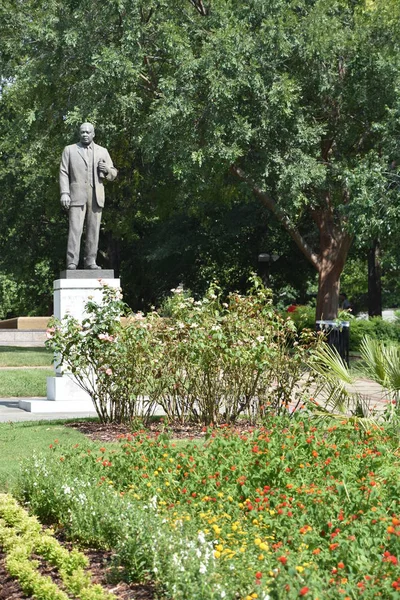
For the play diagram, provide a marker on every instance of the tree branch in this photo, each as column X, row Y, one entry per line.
column 199, row 6
column 281, row 215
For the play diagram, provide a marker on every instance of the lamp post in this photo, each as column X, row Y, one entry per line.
column 265, row 261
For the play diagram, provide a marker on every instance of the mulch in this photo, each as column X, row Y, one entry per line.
column 101, row 570
column 111, row 432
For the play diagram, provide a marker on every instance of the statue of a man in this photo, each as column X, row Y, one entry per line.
column 84, row 166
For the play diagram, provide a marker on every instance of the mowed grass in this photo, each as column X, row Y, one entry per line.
column 24, row 383
column 21, row 440
column 13, row 356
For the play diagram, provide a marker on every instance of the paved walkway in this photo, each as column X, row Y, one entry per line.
column 10, row 412
column 369, row 392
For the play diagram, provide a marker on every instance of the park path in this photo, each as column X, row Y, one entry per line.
column 370, row 392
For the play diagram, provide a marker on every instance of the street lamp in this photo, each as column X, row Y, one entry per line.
column 265, row 261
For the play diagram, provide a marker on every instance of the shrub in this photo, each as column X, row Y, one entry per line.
column 375, row 328
column 208, row 361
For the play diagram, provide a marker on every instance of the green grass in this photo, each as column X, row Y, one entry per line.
column 23, row 383
column 13, row 356
column 22, row 440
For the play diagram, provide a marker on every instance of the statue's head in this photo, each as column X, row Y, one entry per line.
column 86, row 133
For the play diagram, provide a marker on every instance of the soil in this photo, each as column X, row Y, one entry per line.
column 101, row 572
column 111, row 432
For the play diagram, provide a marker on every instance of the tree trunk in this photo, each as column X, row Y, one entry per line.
column 334, row 247
column 335, row 243
column 374, row 281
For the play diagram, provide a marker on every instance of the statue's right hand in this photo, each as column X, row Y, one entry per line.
column 65, row 201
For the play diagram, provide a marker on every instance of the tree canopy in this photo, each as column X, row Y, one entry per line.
column 205, row 106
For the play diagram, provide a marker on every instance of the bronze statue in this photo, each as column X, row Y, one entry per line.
column 84, row 166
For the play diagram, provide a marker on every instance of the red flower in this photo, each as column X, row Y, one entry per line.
column 282, row 559
column 333, row 546
column 258, row 575
column 292, row 308
column 304, row 590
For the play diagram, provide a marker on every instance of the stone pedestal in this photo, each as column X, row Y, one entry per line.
column 71, row 293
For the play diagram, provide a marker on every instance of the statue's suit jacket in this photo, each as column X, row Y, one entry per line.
column 74, row 173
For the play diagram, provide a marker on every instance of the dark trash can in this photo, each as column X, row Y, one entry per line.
column 337, row 335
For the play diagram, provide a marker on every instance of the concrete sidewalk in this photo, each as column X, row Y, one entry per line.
column 370, row 392
column 10, row 412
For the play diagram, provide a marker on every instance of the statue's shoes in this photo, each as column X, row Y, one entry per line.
column 93, row 267
column 71, row 267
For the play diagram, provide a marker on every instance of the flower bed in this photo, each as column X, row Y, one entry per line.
column 286, row 511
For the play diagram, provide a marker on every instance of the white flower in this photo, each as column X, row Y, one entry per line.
column 203, row 568
column 201, row 537
column 260, row 338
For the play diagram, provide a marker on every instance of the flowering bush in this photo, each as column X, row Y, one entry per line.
column 206, row 360
column 285, row 511
column 109, row 361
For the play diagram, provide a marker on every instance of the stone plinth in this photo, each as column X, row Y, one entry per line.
column 71, row 294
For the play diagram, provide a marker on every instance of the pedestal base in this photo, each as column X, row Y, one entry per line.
column 71, row 293
column 63, row 396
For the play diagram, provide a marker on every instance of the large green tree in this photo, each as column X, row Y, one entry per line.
column 293, row 101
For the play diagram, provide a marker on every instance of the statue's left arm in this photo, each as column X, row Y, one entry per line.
column 111, row 170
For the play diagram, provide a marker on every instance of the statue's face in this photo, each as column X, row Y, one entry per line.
column 86, row 133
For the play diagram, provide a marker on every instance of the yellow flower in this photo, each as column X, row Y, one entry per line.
column 299, row 569
column 230, row 498
column 272, row 513
column 216, row 529
column 217, row 554
column 257, row 541
column 167, row 483
column 219, row 547
column 261, row 557
column 264, row 546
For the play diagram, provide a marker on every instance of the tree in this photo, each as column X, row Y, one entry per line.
column 292, row 101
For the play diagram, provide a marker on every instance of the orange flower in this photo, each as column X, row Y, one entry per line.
column 304, row 590
column 333, row 546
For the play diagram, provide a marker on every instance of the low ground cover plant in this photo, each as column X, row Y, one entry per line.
column 288, row 510
column 21, row 536
column 207, row 360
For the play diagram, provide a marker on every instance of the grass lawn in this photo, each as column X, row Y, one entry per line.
column 22, row 440
column 14, row 356
column 22, row 383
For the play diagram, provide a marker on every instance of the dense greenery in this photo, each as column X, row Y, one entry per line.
column 215, row 113
column 288, row 510
column 207, row 360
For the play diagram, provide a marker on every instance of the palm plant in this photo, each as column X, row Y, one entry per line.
column 337, row 392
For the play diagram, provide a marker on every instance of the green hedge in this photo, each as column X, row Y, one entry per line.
column 375, row 327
